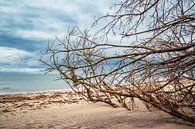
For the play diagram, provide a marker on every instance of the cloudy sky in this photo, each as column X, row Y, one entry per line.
column 26, row 26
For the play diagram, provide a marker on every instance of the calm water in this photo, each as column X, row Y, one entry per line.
column 10, row 84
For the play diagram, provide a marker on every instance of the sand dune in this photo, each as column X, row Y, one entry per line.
column 68, row 111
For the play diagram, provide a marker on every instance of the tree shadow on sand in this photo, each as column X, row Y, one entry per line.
column 139, row 122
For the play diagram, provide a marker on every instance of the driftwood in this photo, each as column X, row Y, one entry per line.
column 154, row 61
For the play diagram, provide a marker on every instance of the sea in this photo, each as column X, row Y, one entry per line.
column 25, row 83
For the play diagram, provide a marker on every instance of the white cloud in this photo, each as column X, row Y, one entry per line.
column 7, row 9
column 22, row 70
column 34, row 34
column 17, row 60
column 46, row 29
column 12, row 55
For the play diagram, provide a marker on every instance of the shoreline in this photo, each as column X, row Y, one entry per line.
column 57, row 109
column 41, row 91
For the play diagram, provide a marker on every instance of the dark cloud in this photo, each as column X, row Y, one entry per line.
column 9, row 40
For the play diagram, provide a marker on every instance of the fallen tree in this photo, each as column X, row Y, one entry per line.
column 153, row 61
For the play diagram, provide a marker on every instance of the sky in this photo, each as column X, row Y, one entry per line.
column 26, row 26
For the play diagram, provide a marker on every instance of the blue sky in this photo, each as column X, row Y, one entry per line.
column 26, row 26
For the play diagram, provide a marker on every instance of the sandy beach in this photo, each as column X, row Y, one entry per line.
column 65, row 110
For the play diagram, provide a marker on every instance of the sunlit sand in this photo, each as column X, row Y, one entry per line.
column 67, row 110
